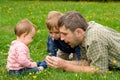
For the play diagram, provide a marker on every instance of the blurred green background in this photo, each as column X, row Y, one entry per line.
column 105, row 13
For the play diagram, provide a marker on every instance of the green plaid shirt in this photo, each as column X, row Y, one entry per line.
column 101, row 46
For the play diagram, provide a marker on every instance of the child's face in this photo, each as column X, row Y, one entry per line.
column 54, row 33
column 29, row 37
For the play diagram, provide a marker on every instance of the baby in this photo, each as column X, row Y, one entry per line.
column 19, row 60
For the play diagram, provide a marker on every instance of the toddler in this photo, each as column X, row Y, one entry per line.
column 55, row 46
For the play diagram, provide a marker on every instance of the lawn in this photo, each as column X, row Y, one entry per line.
column 11, row 12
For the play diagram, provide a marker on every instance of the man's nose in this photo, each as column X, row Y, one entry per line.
column 62, row 37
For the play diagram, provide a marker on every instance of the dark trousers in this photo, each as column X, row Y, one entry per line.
column 21, row 71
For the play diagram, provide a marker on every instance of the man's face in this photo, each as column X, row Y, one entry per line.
column 72, row 38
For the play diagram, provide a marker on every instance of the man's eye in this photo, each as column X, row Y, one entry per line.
column 64, row 34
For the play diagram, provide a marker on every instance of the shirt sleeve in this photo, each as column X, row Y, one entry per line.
column 23, row 57
column 98, row 55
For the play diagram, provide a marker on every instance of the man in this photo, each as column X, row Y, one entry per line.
column 99, row 45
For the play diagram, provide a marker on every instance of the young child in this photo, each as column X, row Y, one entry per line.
column 19, row 60
column 56, row 47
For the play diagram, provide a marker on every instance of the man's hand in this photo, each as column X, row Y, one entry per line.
column 55, row 62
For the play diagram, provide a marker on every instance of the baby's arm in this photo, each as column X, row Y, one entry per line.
column 23, row 58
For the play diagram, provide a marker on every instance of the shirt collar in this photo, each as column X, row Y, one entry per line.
column 90, row 25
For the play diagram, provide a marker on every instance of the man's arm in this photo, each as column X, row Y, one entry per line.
column 77, row 68
column 81, row 62
column 59, row 63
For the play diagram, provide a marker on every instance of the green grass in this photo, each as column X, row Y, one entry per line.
column 11, row 12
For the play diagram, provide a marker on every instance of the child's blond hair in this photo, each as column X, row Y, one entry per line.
column 52, row 19
column 24, row 26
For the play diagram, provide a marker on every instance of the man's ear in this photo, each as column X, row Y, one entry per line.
column 79, row 31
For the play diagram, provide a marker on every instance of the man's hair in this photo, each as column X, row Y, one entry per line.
column 24, row 26
column 73, row 20
column 52, row 19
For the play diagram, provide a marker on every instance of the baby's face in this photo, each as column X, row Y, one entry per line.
column 29, row 37
column 54, row 33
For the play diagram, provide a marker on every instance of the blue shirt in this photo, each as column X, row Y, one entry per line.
column 54, row 45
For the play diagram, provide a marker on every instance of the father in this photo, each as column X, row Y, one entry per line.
column 100, row 45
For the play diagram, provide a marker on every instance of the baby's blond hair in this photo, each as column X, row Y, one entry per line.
column 24, row 26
